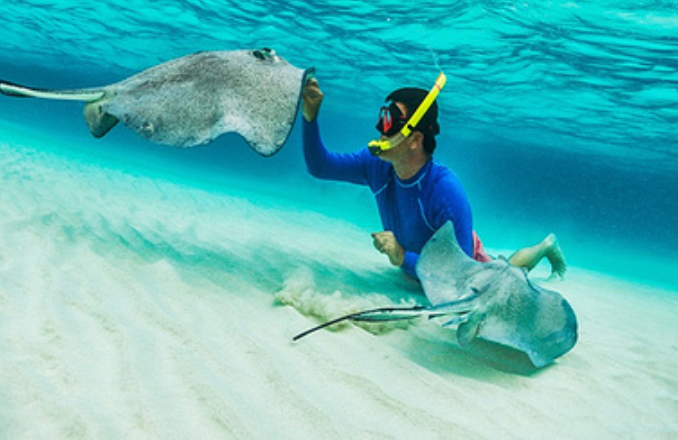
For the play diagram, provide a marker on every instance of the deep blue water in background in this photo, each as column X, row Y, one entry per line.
column 558, row 116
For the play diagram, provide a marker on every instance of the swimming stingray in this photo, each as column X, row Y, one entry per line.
column 493, row 301
column 192, row 100
column 503, row 305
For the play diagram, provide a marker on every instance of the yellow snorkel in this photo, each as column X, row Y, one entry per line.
column 377, row 146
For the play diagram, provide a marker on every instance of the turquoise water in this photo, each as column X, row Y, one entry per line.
column 153, row 292
column 558, row 116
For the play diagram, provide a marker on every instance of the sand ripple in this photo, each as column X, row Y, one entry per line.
column 136, row 308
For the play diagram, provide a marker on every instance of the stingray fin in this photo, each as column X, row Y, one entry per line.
column 273, row 135
column 99, row 121
column 19, row 91
column 443, row 268
column 468, row 331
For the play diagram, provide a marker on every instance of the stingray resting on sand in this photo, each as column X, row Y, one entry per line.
column 491, row 301
column 192, row 100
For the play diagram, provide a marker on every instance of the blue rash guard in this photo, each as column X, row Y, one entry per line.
column 412, row 209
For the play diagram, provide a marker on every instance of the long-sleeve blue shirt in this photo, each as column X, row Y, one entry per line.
column 412, row 209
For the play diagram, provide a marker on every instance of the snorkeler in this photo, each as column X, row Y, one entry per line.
column 415, row 194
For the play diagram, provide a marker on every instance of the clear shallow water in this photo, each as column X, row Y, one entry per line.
column 558, row 116
column 138, row 282
column 590, row 71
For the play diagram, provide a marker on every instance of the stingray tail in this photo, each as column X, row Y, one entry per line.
column 98, row 120
column 373, row 315
column 19, row 91
column 459, row 309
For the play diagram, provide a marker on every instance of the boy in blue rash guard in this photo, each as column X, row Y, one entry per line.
column 415, row 194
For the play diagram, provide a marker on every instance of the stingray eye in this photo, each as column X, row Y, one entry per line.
column 264, row 54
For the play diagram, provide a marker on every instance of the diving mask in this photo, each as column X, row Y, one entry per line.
column 392, row 120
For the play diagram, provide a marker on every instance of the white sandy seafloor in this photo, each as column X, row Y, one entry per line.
column 134, row 307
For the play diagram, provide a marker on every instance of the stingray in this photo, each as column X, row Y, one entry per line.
column 503, row 306
column 493, row 301
column 192, row 100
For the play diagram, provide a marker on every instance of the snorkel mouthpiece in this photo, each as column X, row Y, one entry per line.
column 375, row 147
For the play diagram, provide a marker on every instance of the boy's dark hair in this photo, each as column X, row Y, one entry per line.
column 412, row 97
